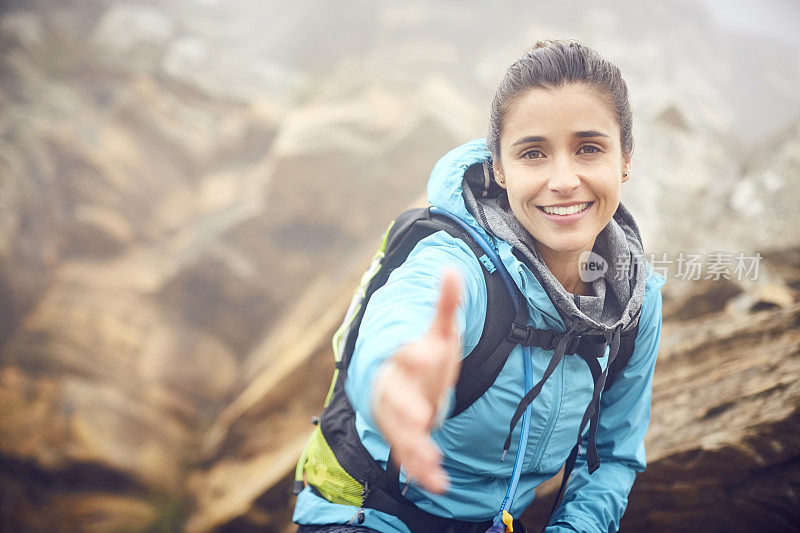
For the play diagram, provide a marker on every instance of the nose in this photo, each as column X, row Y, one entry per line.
column 564, row 179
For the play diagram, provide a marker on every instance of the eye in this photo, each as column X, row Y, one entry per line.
column 533, row 154
column 591, row 149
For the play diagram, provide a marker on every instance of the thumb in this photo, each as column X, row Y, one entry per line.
column 443, row 330
column 443, row 325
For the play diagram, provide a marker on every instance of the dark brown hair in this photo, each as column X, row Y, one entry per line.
column 552, row 64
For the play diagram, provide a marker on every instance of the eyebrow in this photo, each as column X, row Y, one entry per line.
column 577, row 134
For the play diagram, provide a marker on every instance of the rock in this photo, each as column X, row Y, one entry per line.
column 137, row 32
column 764, row 199
column 218, row 295
column 124, row 394
column 32, row 210
column 677, row 170
column 764, row 297
column 24, row 28
column 173, row 176
column 722, row 448
column 186, row 57
column 702, row 298
column 97, row 232
column 236, row 76
column 102, row 512
column 73, row 502
column 784, row 262
column 673, row 117
column 179, row 359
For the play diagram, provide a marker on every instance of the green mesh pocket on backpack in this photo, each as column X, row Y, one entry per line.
column 324, row 472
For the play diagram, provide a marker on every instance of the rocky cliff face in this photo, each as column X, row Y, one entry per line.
column 188, row 194
column 722, row 449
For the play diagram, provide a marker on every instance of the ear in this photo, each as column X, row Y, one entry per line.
column 497, row 170
column 626, row 169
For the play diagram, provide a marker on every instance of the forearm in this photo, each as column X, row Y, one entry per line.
column 596, row 502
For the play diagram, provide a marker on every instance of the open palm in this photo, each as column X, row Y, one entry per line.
column 411, row 386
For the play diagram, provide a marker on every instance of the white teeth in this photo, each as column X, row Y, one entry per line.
column 568, row 210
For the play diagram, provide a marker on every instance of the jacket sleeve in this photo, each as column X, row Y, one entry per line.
column 401, row 311
column 597, row 502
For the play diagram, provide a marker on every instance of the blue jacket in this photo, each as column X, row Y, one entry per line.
column 401, row 311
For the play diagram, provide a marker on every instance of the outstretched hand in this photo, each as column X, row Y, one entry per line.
column 411, row 387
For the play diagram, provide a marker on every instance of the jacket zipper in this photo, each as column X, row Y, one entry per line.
column 551, row 422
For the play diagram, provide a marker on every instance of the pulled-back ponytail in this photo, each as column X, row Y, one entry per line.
column 552, row 64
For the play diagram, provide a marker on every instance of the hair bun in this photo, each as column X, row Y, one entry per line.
column 549, row 43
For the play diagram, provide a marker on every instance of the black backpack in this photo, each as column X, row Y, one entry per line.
column 335, row 463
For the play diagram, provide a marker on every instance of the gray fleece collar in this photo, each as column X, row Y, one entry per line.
column 618, row 294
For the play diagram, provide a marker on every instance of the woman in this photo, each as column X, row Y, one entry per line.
column 558, row 149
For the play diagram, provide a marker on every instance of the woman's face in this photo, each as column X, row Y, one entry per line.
column 562, row 146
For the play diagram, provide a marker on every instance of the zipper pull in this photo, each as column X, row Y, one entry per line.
column 359, row 517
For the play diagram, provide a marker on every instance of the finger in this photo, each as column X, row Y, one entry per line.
column 417, row 360
column 403, row 409
column 422, row 464
column 407, row 420
column 445, row 358
column 411, row 447
column 412, row 412
column 444, row 338
column 444, row 321
column 430, row 366
column 448, row 363
column 420, row 459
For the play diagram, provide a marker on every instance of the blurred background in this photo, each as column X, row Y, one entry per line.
column 190, row 190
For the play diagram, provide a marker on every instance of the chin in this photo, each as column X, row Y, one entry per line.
column 566, row 245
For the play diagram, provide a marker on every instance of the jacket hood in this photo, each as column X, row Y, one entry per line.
column 445, row 186
column 460, row 185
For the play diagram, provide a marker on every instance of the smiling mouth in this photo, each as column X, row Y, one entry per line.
column 566, row 210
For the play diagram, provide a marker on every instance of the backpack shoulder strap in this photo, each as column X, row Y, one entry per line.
column 483, row 364
column 626, row 346
column 480, row 368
